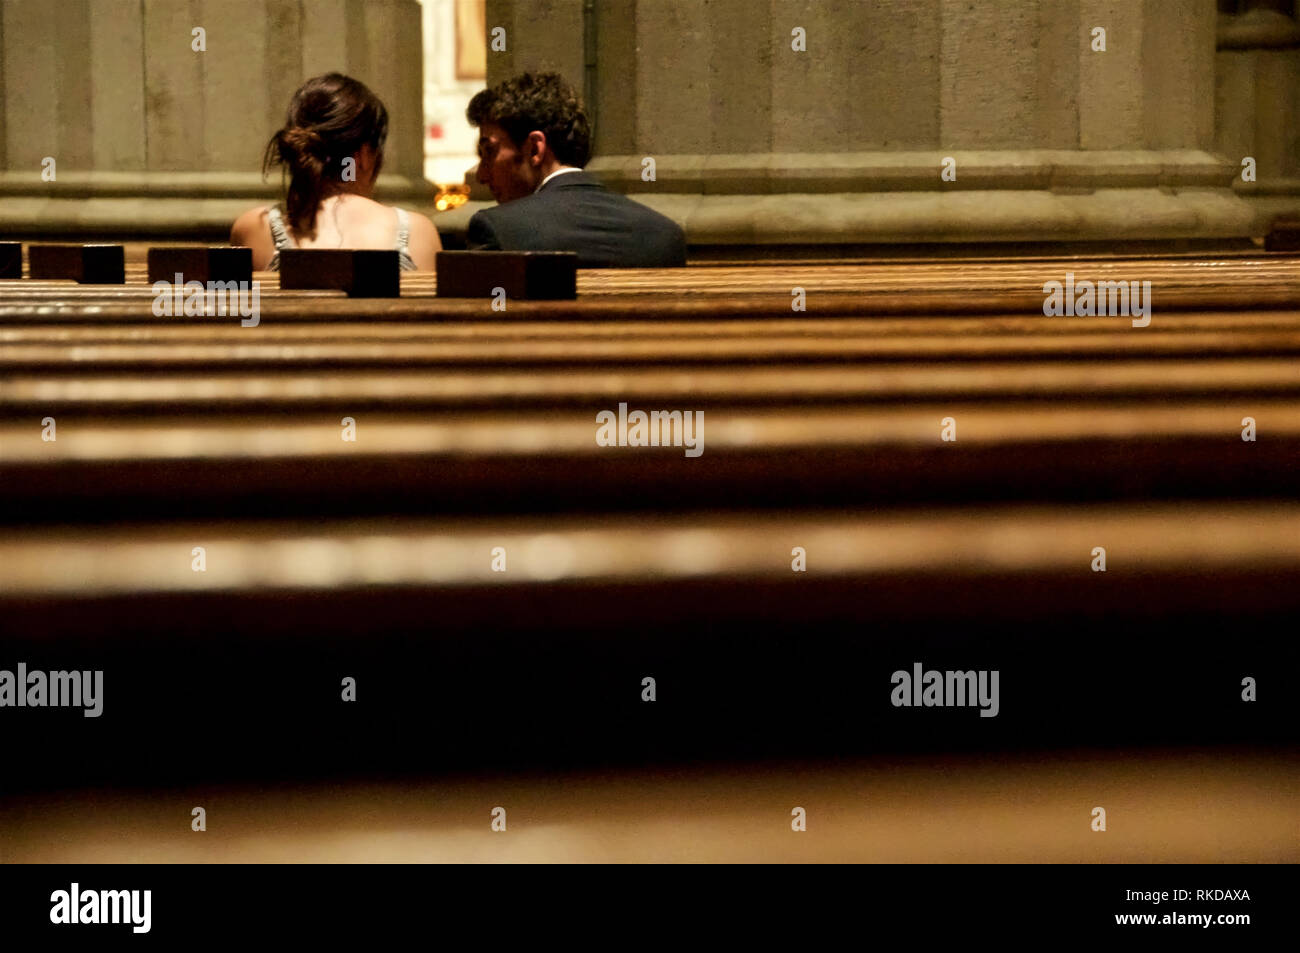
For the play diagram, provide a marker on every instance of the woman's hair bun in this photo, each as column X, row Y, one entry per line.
column 302, row 141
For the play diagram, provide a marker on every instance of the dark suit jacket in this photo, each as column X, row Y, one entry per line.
column 574, row 212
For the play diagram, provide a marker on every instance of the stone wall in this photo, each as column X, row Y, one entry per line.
column 1257, row 101
column 757, row 143
column 151, row 136
column 754, row 143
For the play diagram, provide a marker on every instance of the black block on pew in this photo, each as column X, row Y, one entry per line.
column 11, row 259
column 1283, row 235
column 362, row 272
column 201, row 264
column 539, row 275
column 88, row 264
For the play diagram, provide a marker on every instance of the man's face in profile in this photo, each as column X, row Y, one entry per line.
column 502, row 166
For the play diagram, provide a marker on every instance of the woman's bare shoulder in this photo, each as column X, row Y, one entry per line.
column 420, row 218
column 424, row 242
column 251, row 223
column 422, row 225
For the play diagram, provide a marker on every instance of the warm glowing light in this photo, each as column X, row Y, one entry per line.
column 451, row 196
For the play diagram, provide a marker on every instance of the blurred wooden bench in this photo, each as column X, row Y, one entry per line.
column 822, row 433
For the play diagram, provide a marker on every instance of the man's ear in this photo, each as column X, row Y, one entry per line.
column 536, row 150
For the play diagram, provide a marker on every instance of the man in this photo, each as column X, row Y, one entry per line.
column 534, row 139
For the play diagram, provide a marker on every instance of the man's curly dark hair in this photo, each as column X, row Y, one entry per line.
column 537, row 101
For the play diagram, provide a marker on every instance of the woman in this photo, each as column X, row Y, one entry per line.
column 332, row 144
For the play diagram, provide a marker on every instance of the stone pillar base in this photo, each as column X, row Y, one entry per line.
column 1066, row 196
column 195, row 205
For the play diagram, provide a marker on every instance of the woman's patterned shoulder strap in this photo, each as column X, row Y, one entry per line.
column 279, row 233
column 403, row 240
column 403, row 228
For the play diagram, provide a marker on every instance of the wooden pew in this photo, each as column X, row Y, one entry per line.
column 476, row 430
column 896, row 810
column 539, row 344
column 767, row 374
column 631, row 558
column 865, row 397
column 1173, row 281
column 656, row 388
column 147, row 467
column 752, row 659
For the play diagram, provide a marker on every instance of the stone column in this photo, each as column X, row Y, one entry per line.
column 151, row 136
column 844, row 142
column 1257, row 99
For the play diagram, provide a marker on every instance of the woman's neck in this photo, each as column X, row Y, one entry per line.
column 363, row 189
